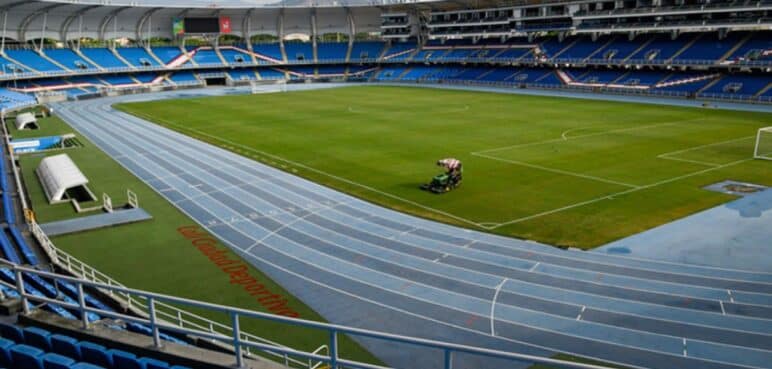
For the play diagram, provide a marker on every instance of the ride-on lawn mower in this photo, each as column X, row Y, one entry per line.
column 447, row 181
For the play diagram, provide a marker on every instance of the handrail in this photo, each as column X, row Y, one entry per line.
column 237, row 342
column 138, row 305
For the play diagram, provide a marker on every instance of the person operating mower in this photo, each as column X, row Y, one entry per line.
column 447, row 181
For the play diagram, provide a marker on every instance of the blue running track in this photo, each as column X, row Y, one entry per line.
column 362, row 265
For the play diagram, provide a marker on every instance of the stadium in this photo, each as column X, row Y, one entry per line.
column 418, row 184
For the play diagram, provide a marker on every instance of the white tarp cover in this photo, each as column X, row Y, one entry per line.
column 58, row 174
column 24, row 119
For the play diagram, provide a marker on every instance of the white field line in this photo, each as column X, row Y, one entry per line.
column 554, row 170
column 669, row 155
column 611, row 196
column 366, row 187
column 705, row 163
column 568, row 138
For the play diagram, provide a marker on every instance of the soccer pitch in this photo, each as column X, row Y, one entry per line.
column 568, row 172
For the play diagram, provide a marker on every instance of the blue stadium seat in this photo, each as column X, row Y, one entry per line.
column 125, row 360
column 150, row 363
column 27, row 357
column 12, row 332
column 86, row 366
column 56, row 361
column 37, row 337
column 5, row 351
column 66, row 346
column 95, row 354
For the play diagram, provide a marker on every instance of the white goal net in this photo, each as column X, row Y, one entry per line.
column 763, row 148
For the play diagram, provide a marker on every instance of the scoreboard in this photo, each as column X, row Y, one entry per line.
column 201, row 26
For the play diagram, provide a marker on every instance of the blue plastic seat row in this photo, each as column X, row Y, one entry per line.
column 36, row 348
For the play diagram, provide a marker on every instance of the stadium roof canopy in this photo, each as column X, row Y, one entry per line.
column 248, row 4
column 58, row 174
column 241, row 4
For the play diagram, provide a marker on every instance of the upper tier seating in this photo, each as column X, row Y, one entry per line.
column 331, row 51
column 367, row 50
column 167, row 53
column 103, row 57
column 272, row 50
column 708, row 47
column 33, row 60
column 754, row 47
column 661, row 48
column 233, row 56
column 137, row 56
column 299, row 51
column 69, row 59
column 399, row 51
column 582, row 48
column 205, row 56
column 184, row 77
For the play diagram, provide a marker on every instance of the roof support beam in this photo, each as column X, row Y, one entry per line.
column 28, row 20
column 110, row 17
column 68, row 21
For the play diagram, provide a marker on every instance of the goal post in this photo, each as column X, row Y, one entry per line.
column 763, row 149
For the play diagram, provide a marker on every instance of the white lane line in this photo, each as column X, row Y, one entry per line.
column 183, row 211
column 723, row 312
column 579, row 317
column 293, row 221
column 534, row 266
column 554, row 170
column 493, row 305
column 731, row 298
column 470, row 243
column 588, row 135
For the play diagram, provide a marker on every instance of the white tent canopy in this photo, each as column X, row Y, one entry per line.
column 59, row 174
column 26, row 119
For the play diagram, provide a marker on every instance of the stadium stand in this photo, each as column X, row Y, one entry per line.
column 137, row 56
column 103, row 57
column 33, row 60
column 331, row 51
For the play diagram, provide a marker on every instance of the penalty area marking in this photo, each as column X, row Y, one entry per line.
column 611, row 196
column 568, row 138
column 669, row 155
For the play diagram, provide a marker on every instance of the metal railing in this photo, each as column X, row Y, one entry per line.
column 239, row 343
column 138, row 304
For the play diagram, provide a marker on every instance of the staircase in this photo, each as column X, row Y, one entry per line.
column 564, row 49
column 600, row 49
column 763, row 90
column 117, row 55
column 681, row 50
column 735, row 48
column 642, row 47
column 84, row 57
column 44, row 56
column 709, row 85
column 219, row 55
column 686, row 80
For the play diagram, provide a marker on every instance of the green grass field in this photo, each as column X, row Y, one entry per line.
column 568, row 172
column 153, row 255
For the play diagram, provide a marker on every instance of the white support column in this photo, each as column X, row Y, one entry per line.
column 314, row 34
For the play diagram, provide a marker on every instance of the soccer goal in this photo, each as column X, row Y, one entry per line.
column 763, row 144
